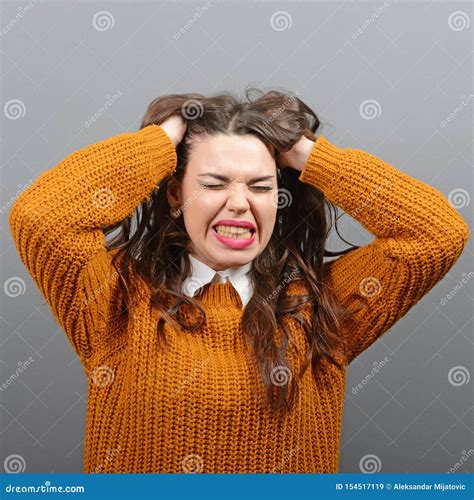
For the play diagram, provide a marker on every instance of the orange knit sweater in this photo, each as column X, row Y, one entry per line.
column 192, row 408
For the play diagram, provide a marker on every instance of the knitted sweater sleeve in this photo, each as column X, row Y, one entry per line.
column 56, row 224
column 418, row 237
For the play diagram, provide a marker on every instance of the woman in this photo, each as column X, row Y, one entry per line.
column 196, row 327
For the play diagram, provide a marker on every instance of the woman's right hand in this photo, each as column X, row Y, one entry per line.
column 175, row 127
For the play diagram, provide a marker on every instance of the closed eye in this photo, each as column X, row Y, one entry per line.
column 216, row 186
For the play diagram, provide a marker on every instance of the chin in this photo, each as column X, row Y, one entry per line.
column 225, row 261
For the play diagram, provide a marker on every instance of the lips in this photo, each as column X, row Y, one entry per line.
column 235, row 243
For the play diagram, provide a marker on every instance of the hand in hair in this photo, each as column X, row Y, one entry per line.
column 297, row 156
column 175, row 127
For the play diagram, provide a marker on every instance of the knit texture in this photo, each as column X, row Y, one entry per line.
column 198, row 406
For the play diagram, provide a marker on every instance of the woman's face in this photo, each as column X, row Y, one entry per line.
column 245, row 191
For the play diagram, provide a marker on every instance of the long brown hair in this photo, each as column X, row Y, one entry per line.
column 157, row 249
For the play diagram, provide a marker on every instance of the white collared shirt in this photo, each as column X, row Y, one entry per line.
column 202, row 274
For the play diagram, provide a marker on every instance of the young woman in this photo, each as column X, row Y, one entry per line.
column 214, row 336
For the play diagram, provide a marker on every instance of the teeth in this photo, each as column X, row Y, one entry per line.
column 233, row 232
column 233, row 229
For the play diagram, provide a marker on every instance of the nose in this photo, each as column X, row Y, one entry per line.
column 237, row 200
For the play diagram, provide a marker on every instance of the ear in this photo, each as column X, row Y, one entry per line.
column 173, row 193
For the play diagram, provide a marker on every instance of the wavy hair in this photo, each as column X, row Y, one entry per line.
column 156, row 249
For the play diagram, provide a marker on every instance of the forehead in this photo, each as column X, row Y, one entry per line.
column 230, row 155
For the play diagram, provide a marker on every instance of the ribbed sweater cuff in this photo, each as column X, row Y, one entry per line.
column 159, row 149
column 323, row 166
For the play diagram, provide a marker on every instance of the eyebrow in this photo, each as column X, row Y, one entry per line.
column 226, row 179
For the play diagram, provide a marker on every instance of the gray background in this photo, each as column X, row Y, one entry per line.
column 412, row 58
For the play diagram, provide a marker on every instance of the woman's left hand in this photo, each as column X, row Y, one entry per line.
column 297, row 156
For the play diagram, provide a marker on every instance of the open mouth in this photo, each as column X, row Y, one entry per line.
column 234, row 232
